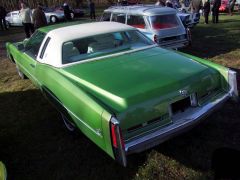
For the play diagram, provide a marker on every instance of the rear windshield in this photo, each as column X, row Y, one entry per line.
column 103, row 44
column 164, row 21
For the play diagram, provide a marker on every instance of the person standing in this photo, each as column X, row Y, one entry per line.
column 206, row 10
column 196, row 5
column 215, row 10
column 231, row 6
column 160, row 3
column 39, row 19
column 3, row 14
column 92, row 10
column 67, row 12
column 26, row 16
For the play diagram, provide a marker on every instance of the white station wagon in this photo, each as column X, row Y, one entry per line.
column 161, row 24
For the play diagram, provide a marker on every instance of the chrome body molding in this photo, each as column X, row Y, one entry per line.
column 232, row 81
column 181, row 123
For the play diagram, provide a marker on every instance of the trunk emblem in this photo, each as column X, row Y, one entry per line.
column 184, row 92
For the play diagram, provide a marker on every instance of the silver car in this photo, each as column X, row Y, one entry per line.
column 53, row 16
column 13, row 18
column 161, row 24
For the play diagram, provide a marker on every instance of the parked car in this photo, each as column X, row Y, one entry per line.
column 53, row 16
column 118, row 87
column 76, row 12
column 193, row 17
column 224, row 6
column 161, row 24
column 13, row 18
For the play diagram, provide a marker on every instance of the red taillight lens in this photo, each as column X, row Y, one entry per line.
column 117, row 142
column 116, row 133
column 113, row 134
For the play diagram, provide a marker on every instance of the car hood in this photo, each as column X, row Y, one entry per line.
column 124, row 81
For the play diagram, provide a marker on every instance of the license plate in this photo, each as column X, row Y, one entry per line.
column 181, row 105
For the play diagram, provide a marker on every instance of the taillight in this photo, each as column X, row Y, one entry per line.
column 117, row 142
column 155, row 38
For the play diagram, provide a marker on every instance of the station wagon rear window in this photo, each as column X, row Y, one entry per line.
column 136, row 21
column 103, row 44
column 119, row 18
column 164, row 21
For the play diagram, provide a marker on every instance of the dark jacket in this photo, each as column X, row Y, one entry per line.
column 3, row 12
column 92, row 7
column 67, row 12
column 206, row 7
column 39, row 18
column 216, row 4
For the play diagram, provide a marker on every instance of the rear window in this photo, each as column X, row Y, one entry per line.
column 136, row 21
column 104, row 44
column 106, row 16
column 119, row 18
column 164, row 21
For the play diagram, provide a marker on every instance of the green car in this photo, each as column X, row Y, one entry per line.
column 122, row 90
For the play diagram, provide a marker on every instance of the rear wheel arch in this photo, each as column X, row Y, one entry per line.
column 49, row 95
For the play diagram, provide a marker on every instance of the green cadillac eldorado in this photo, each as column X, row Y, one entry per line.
column 122, row 90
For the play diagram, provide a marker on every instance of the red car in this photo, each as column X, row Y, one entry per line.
column 224, row 6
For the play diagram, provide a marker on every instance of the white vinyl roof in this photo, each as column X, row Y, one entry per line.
column 58, row 36
column 78, row 31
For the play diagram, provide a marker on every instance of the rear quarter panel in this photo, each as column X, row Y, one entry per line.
column 90, row 117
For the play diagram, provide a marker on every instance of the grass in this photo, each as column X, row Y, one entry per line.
column 34, row 143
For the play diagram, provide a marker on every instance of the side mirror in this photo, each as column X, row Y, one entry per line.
column 20, row 47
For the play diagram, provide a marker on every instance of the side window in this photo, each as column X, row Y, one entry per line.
column 106, row 16
column 33, row 44
column 136, row 21
column 119, row 18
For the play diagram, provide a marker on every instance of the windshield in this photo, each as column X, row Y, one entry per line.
column 104, row 44
column 164, row 21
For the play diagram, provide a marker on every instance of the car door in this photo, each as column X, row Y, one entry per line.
column 28, row 58
column 16, row 20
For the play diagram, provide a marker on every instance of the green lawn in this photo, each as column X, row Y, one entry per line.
column 34, row 143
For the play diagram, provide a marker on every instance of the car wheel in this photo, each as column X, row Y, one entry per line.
column 20, row 73
column 69, row 124
column 53, row 19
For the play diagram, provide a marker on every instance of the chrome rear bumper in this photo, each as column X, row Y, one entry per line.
column 174, row 44
column 181, row 123
column 184, row 121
